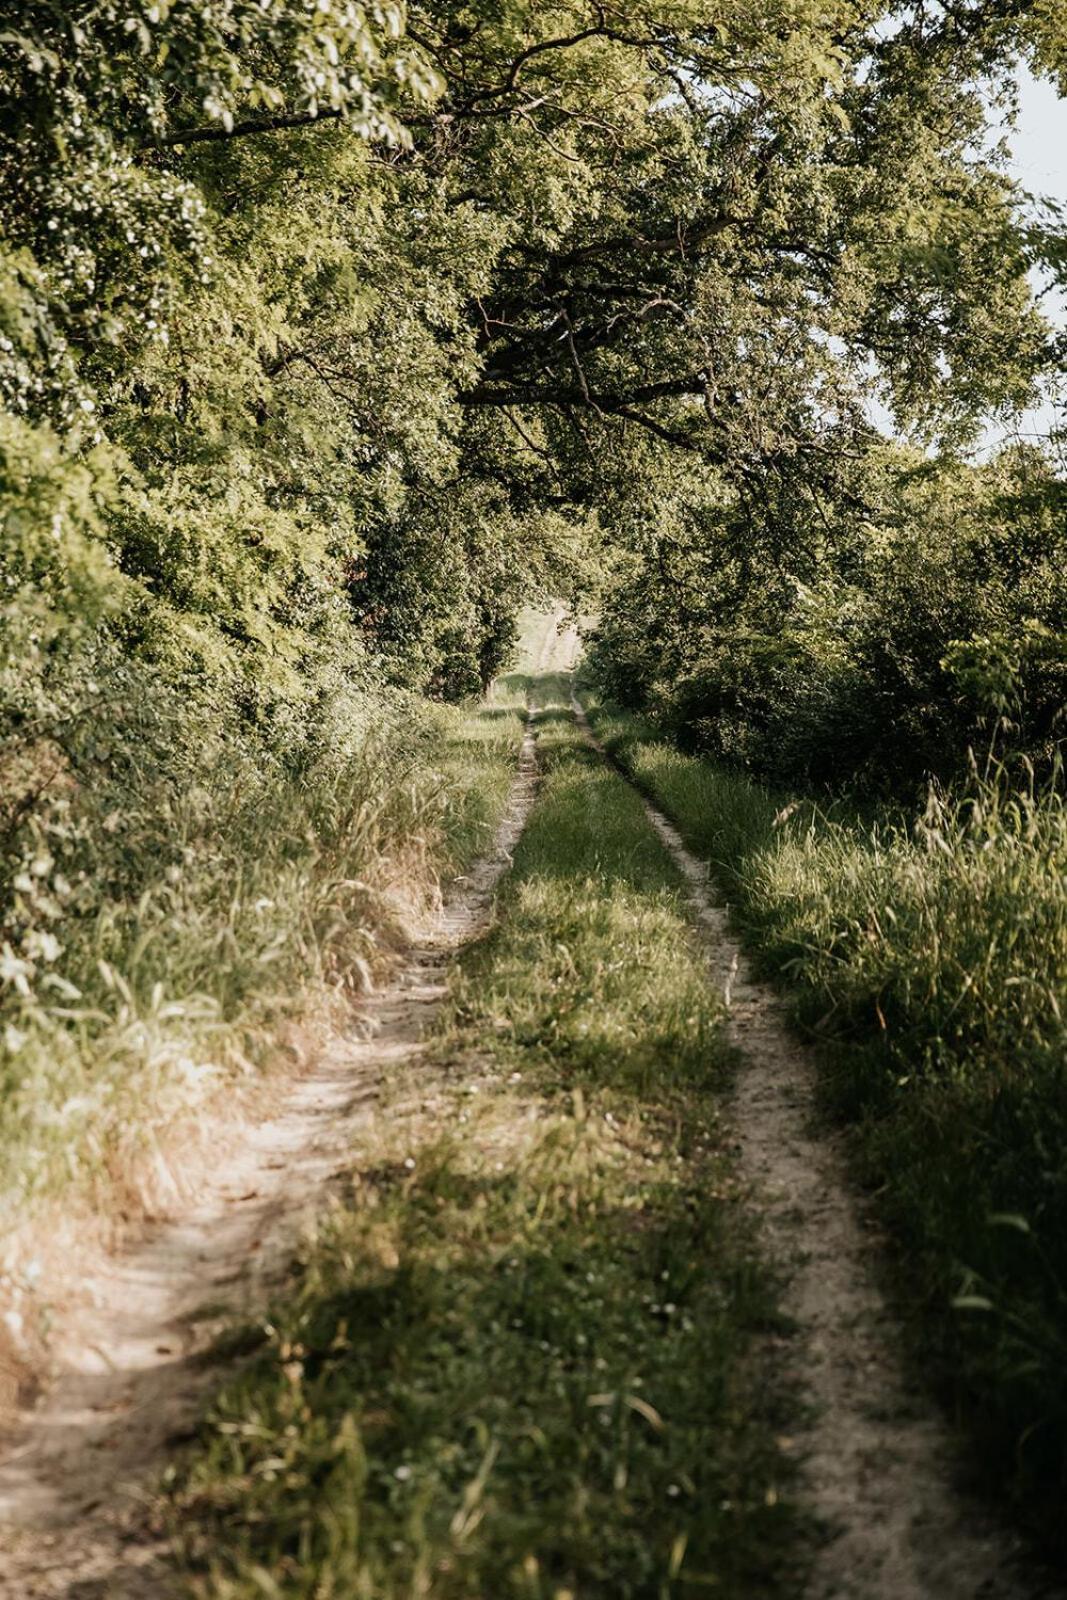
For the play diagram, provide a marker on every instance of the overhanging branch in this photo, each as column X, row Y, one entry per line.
column 216, row 132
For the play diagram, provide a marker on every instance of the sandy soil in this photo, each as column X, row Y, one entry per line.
column 129, row 1375
column 878, row 1463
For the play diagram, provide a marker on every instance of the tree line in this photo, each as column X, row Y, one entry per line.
column 328, row 332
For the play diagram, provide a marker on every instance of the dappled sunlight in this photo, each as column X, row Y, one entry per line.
column 533, row 705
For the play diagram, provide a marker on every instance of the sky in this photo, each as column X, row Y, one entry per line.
column 1039, row 162
column 1039, row 143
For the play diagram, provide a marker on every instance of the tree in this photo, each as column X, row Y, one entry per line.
column 288, row 294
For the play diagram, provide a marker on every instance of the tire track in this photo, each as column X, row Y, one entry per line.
column 878, row 1462
column 131, row 1380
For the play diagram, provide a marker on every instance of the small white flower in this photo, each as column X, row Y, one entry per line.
column 46, row 945
column 402, row 1474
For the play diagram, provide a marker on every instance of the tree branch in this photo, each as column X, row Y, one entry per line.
column 240, row 130
column 598, row 31
column 490, row 394
column 681, row 240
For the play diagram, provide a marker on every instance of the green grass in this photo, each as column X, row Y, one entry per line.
column 164, row 926
column 929, row 963
column 521, row 1358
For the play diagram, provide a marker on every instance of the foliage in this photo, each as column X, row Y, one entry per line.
column 303, row 310
column 157, row 936
column 308, row 312
column 329, row 333
column 936, row 625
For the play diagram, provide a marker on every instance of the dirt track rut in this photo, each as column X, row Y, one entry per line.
column 878, row 1463
column 877, row 1466
column 129, row 1383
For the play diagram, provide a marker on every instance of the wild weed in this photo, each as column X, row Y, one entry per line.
column 182, row 896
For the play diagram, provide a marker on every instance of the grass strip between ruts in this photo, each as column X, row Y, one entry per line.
column 518, row 1360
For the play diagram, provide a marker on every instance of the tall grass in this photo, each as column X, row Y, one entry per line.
column 165, row 917
column 929, row 959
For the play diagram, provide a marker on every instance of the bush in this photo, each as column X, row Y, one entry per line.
column 875, row 661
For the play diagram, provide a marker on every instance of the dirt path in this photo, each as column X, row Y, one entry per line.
column 130, row 1382
column 878, row 1462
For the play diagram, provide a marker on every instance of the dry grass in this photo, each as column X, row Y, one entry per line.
column 203, row 946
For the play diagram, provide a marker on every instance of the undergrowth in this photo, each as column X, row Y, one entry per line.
column 928, row 958
column 518, row 1361
column 204, row 883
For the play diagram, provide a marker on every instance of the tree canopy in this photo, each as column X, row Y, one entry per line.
column 329, row 330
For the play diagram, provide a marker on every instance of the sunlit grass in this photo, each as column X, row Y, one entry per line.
column 202, row 917
column 519, row 1360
